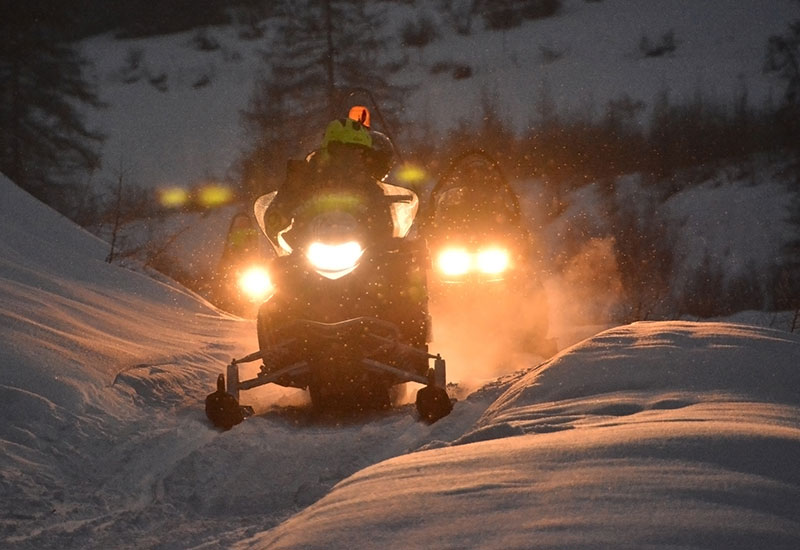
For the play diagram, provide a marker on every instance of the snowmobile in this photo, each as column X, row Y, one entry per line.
column 241, row 281
column 484, row 259
column 348, row 320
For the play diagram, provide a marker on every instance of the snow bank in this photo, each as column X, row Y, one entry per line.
column 90, row 354
column 657, row 435
column 616, row 372
column 72, row 322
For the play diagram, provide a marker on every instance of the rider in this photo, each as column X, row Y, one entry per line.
column 382, row 154
column 348, row 146
column 354, row 159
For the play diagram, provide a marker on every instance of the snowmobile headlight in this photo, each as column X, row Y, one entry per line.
column 334, row 260
column 493, row 261
column 454, row 261
column 255, row 284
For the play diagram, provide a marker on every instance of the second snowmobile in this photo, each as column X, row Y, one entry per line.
column 485, row 263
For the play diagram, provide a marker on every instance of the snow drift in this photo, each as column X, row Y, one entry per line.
column 91, row 355
column 669, row 434
column 652, row 435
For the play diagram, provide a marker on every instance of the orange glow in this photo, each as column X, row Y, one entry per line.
column 214, row 195
column 492, row 260
column 173, row 197
column 255, row 284
column 454, row 261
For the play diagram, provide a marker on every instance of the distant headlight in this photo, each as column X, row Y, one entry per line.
column 493, row 261
column 458, row 262
column 255, row 284
column 334, row 260
column 454, row 261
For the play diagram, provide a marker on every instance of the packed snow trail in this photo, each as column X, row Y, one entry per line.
column 170, row 480
column 104, row 440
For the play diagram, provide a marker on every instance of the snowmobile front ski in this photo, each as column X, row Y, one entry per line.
column 433, row 402
column 223, row 409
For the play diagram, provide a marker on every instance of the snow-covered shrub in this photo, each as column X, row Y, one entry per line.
column 539, row 9
column 644, row 252
column 418, row 33
column 133, row 67
column 205, row 41
column 501, row 18
column 159, row 81
column 507, row 14
column 783, row 58
column 458, row 71
column 249, row 21
column 550, row 54
column 458, row 13
column 664, row 45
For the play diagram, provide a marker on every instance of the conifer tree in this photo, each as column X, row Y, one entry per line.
column 322, row 49
column 45, row 146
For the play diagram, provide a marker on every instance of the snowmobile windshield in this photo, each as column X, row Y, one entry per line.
column 473, row 195
column 403, row 208
column 260, row 208
column 461, row 208
column 403, row 205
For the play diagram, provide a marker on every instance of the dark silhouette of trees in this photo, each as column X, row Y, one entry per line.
column 783, row 58
column 507, row 14
column 322, row 49
column 45, row 146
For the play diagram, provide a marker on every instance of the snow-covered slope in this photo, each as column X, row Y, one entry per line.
column 657, row 435
column 93, row 357
column 733, row 223
column 173, row 109
column 74, row 321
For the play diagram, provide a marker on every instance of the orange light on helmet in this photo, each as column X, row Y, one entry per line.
column 359, row 113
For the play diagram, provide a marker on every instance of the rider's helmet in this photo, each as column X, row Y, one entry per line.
column 345, row 132
column 382, row 154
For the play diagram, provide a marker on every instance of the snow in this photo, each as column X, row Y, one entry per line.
column 743, row 226
column 178, row 132
column 737, row 220
column 667, row 434
column 663, row 434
